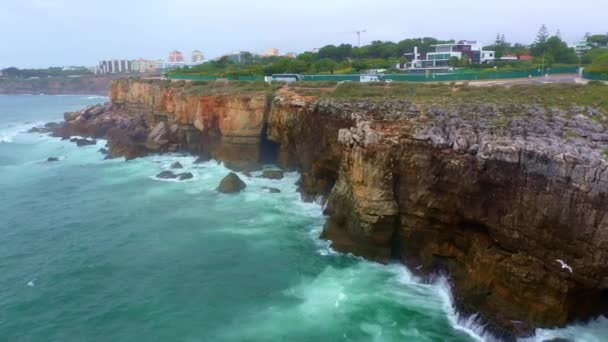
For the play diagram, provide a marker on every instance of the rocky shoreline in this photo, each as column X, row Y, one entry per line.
column 490, row 193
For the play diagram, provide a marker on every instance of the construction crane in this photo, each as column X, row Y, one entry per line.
column 359, row 36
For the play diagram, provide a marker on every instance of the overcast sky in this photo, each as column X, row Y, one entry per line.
column 40, row 33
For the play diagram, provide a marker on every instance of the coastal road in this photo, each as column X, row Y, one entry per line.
column 562, row 78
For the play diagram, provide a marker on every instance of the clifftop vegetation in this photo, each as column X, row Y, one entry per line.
column 548, row 50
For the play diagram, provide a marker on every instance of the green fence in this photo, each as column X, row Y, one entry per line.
column 594, row 76
column 213, row 78
column 468, row 75
column 337, row 78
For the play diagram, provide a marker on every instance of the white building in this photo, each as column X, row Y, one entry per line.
column 114, row 66
column 197, row 57
column 146, row 66
column 444, row 52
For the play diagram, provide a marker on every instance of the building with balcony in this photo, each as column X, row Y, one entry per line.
column 114, row 66
column 439, row 59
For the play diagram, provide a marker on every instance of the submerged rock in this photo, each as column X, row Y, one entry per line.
column 171, row 175
column 177, row 165
column 273, row 174
column 271, row 190
column 231, row 184
column 185, row 175
column 166, row 175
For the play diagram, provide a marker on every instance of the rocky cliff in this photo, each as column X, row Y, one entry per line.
column 491, row 193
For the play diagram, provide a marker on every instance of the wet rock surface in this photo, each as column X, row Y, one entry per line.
column 83, row 142
column 231, row 184
column 203, row 158
column 166, row 175
column 185, row 176
column 172, row 175
column 273, row 174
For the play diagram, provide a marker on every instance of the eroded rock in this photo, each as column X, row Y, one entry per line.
column 231, row 184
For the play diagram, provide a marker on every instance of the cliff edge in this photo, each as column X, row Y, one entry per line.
column 489, row 185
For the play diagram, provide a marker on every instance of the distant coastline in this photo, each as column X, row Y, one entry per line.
column 87, row 85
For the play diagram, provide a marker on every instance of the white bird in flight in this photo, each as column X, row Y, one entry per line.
column 564, row 265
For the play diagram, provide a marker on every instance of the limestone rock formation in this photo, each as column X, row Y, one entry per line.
column 231, row 184
column 490, row 192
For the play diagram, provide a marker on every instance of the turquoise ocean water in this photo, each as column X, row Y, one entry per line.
column 94, row 250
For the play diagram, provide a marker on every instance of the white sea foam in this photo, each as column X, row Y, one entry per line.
column 594, row 331
column 9, row 132
column 471, row 325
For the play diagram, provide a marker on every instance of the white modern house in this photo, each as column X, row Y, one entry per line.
column 444, row 52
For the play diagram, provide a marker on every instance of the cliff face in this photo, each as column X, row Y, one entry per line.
column 491, row 194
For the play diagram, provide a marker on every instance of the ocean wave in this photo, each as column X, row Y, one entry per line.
column 94, row 97
column 9, row 132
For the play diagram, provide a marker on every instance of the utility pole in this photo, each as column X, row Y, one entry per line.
column 359, row 36
column 542, row 68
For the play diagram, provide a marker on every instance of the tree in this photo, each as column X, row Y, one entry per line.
column 598, row 39
column 464, row 62
column 554, row 49
column 500, row 46
column 325, row 65
column 542, row 35
column 454, row 62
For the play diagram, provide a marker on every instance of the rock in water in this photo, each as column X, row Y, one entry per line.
column 273, row 174
column 177, row 165
column 166, row 175
column 52, row 159
column 185, row 175
column 103, row 150
column 271, row 190
column 83, row 142
column 204, row 157
column 231, row 184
